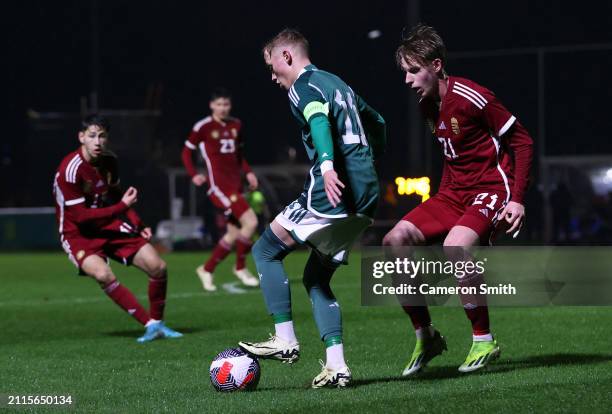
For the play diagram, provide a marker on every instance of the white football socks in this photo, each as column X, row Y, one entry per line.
column 482, row 338
column 284, row 330
column 335, row 357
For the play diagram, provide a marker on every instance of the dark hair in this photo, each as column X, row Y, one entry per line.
column 422, row 44
column 220, row 92
column 95, row 119
column 288, row 37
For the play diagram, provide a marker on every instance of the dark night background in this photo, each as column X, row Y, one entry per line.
column 168, row 56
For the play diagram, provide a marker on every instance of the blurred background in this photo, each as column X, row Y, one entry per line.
column 150, row 66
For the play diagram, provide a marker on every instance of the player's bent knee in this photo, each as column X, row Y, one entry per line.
column 318, row 272
column 160, row 268
column 403, row 237
column 406, row 234
column 251, row 219
column 230, row 238
column 461, row 236
column 155, row 267
column 250, row 228
column 248, row 219
column 269, row 247
column 102, row 276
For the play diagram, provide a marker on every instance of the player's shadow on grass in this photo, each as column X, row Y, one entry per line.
column 503, row 365
column 138, row 332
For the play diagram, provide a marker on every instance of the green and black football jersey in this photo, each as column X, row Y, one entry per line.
column 317, row 92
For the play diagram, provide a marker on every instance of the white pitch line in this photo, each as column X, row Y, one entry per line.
column 228, row 289
column 102, row 298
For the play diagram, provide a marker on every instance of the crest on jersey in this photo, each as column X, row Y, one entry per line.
column 215, row 134
column 455, row 125
column 80, row 254
column 233, row 198
column 234, row 132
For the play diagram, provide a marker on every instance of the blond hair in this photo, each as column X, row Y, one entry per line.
column 289, row 37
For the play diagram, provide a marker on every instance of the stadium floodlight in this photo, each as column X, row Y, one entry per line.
column 374, row 34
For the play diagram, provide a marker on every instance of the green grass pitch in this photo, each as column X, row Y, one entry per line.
column 62, row 336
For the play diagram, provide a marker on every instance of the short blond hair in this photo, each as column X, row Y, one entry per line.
column 290, row 37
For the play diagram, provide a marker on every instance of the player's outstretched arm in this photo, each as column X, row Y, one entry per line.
column 81, row 214
column 375, row 126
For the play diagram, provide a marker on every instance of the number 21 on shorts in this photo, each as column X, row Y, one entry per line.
column 481, row 199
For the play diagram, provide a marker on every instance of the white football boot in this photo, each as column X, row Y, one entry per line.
column 246, row 277
column 332, row 378
column 274, row 348
column 206, row 278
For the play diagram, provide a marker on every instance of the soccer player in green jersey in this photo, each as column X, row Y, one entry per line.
column 341, row 134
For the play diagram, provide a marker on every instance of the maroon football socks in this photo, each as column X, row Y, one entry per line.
column 126, row 300
column 220, row 252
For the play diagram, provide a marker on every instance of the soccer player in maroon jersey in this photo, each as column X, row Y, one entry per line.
column 97, row 222
column 218, row 137
column 487, row 157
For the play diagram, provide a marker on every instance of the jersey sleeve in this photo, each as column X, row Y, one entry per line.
column 521, row 144
column 375, row 126
column 134, row 218
column 190, row 145
column 312, row 104
column 497, row 117
column 320, row 129
column 309, row 100
column 505, row 126
column 194, row 138
column 70, row 185
column 244, row 166
column 186, row 157
column 79, row 213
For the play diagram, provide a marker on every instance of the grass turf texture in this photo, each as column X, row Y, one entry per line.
column 61, row 335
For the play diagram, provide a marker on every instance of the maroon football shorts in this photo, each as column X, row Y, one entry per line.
column 476, row 209
column 122, row 248
column 233, row 204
